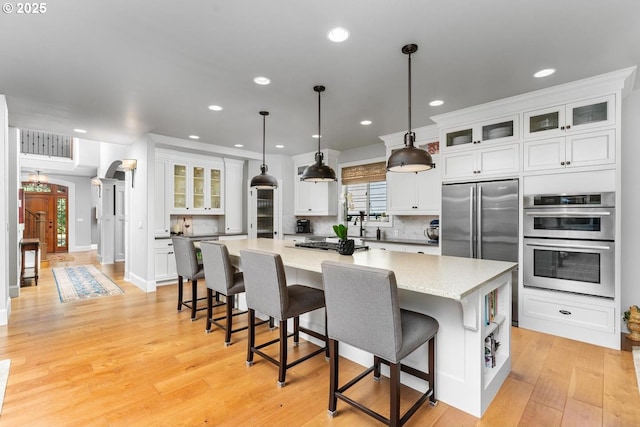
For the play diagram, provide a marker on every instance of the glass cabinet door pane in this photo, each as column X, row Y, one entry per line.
column 198, row 187
column 214, row 185
column 590, row 114
column 544, row 122
column 459, row 137
column 497, row 130
column 179, row 186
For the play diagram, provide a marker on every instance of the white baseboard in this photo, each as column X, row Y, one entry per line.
column 146, row 286
column 5, row 313
column 82, row 248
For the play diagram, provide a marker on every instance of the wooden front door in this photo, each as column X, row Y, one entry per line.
column 51, row 199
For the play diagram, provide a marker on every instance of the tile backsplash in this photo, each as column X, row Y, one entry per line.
column 404, row 227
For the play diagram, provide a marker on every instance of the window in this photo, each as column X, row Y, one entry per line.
column 369, row 197
column 364, row 189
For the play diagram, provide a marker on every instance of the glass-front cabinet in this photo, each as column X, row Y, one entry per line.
column 179, row 187
column 197, row 188
column 499, row 130
column 573, row 117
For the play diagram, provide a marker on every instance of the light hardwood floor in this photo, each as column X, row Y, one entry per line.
column 133, row 360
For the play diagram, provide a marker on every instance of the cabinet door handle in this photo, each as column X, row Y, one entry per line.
column 561, row 127
column 568, row 163
column 562, row 163
column 568, row 127
column 565, row 312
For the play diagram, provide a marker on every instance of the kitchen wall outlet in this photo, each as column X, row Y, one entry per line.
column 140, row 225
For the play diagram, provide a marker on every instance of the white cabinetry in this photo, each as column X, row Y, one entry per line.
column 415, row 193
column 233, row 193
column 197, row 187
column 584, row 149
column 315, row 198
column 161, row 198
column 572, row 117
column 165, row 260
column 403, row 247
column 500, row 130
column 481, row 163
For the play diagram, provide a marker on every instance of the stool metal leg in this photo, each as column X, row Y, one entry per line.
column 282, row 369
column 180, row 285
column 333, row 376
column 251, row 339
column 194, row 298
column 394, row 413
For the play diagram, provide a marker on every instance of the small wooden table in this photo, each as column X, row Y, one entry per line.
column 29, row 273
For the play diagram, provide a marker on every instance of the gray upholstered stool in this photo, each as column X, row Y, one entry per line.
column 188, row 268
column 222, row 278
column 363, row 311
column 268, row 293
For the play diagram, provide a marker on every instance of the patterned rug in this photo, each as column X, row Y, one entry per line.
column 636, row 362
column 83, row 282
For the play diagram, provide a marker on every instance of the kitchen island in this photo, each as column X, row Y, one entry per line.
column 470, row 298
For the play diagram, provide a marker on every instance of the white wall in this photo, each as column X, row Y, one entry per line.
column 5, row 300
column 630, row 204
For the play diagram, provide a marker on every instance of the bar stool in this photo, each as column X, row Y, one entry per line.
column 363, row 311
column 222, row 278
column 267, row 292
column 188, row 268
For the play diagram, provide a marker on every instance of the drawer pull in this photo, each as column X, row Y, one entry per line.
column 565, row 312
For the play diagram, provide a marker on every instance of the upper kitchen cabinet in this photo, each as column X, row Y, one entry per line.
column 315, row 198
column 482, row 163
column 503, row 129
column 572, row 117
column 415, row 193
column 196, row 187
column 233, row 193
column 590, row 149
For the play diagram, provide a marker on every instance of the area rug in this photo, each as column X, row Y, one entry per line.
column 4, row 376
column 636, row 362
column 60, row 257
column 83, row 282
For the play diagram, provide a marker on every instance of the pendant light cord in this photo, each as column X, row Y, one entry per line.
column 409, row 93
column 319, row 123
column 264, row 130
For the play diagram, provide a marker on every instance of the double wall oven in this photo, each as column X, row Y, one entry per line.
column 569, row 243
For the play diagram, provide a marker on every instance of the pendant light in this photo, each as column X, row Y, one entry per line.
column 409, row 158
column 264, row 181
column 318, row 172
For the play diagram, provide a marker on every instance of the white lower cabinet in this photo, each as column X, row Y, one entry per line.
column 481, row 163
column 579, row 317
column 579, row 150
column 403, row 247
column 165, row 260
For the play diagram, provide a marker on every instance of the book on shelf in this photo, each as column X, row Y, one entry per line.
column 490, row 306
column 490, row 348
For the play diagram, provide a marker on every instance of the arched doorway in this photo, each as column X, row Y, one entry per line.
column 46, row 211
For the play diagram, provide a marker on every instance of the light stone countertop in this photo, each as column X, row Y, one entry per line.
column 444, row 276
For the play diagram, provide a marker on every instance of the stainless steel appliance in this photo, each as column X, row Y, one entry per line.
column 569, row 243
column 579, row 216
column 303, row 226
column 480, row 220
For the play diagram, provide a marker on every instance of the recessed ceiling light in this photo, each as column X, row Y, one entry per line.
column 260, row 80
column 215, row 108
column 366, row 122
column 279, row 146
column 80, row 130
column 338, row 34
column 315, row 136
column 436, row 103
column 194, row 137
column 544, row 73
column 238, row 145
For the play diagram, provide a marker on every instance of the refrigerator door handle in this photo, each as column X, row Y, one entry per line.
column 479, row 224
column 472, row 234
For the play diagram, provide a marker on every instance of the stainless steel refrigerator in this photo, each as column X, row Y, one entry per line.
column 480, row 220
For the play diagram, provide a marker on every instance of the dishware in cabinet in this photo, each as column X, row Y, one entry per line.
column 572, row 117
column 499, row 130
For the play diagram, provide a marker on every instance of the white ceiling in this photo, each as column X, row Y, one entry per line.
column 122, row 68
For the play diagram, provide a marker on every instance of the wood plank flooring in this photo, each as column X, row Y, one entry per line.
column 133, row 360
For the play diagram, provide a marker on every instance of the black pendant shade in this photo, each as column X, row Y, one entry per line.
column 409, row 158
column 264, row 181
column 318, row 172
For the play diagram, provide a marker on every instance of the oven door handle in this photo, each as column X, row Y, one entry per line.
column 565, row 213
column 568, row 246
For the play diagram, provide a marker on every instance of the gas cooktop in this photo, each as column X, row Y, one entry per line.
column 326, row 246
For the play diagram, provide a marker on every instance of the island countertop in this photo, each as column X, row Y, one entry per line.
column 443, row 276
